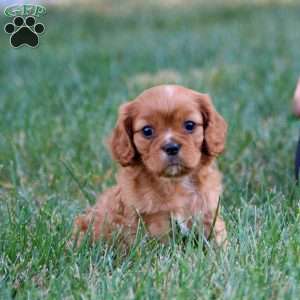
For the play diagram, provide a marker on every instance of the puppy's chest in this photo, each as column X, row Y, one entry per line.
column 189, row 202
column 180, row 198
column 186, row 198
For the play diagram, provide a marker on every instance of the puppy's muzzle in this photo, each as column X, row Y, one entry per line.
column 171, row 149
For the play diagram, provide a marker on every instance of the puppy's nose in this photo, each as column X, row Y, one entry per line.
column 171, row 148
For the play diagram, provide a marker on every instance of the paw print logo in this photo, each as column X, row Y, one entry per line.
column 24, row 32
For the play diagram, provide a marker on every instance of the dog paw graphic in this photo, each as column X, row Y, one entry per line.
column 24, row 33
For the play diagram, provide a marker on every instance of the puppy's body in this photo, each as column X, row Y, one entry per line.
column 166, row 141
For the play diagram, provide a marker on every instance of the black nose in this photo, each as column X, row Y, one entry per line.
column 171, row 148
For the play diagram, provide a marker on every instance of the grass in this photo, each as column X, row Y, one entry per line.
column 58, row 103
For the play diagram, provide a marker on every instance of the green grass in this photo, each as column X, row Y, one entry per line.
column 57, row 105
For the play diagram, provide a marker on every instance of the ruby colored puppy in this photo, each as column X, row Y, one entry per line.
column 166, row 142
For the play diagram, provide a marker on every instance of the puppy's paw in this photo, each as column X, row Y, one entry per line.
column 80, row 228
column 221, row 239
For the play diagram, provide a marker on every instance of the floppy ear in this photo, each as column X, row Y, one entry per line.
column 215, row 127
column 121, row 140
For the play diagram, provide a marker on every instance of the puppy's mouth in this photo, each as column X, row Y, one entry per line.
column 175, row 169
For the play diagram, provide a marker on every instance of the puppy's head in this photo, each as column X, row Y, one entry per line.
column 169, row 129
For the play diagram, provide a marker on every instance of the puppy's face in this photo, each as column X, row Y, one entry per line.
column 168, row 133
column 168, row 129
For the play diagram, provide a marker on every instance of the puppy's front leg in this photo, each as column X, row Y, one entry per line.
column 218, row 229
column 213, row 222
column 158, row 225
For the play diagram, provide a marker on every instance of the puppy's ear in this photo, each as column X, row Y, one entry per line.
column 121, row 140
column 215, row 127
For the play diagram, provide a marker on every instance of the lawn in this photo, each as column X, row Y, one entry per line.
column 58, row 103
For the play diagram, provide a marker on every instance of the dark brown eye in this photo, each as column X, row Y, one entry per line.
column 189, row 126
column 148, row 131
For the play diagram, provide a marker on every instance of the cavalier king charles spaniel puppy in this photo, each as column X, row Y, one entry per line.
column 166, row 142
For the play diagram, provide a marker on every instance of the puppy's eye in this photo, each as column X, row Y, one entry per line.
column 189, row 126
column 148, row 131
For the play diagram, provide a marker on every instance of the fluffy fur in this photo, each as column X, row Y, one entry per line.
column 153, row 185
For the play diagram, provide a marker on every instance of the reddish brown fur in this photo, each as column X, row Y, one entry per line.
column 148, row 185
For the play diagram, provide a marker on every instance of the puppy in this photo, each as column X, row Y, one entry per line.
column 166, row 142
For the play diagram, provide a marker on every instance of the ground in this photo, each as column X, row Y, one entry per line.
column 58, row 103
